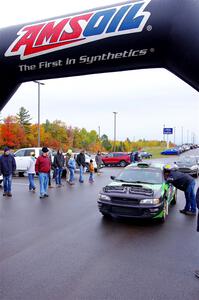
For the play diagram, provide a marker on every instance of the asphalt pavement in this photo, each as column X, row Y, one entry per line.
column 61, row 248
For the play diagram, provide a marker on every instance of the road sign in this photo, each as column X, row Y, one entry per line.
column 167, row 130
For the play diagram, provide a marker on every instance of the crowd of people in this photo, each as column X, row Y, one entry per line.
column 44, row 165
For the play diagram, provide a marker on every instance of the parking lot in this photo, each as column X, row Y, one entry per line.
column 61, row 248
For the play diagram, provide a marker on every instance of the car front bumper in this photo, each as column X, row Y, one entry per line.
column 131, row 211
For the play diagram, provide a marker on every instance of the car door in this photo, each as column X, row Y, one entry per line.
column 19, row 155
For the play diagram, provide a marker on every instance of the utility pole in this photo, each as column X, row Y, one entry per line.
column 99, row 134
column 114, row 142
column 39, row 132
column 182, row 135
column 174, row 135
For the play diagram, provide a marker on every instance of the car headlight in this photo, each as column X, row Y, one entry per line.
column 193, row 168
column 104, row 197
column 150, row 201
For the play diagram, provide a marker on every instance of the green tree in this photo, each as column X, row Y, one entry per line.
column 24, row 118
column 105, row 142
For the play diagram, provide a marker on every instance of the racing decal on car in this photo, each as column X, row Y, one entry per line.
column 53, row 35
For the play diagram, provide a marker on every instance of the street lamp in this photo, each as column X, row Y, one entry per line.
column 115, row 113
column 174, row 135
column 38, row 83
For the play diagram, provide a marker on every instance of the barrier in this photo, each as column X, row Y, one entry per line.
column 131, row 35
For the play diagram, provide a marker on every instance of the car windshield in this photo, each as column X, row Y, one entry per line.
column 141, row 176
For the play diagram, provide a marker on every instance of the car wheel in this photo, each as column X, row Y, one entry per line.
column 165, row 212
column 122, row 163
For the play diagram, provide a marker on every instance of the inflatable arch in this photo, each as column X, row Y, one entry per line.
column 132, row 35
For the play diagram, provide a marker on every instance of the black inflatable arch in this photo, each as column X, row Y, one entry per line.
column 132, row 35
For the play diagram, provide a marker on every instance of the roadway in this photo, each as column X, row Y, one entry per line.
column 61, row 248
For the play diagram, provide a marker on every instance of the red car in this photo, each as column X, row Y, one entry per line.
column 121, row 159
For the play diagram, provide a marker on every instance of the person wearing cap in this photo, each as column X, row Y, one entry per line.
column 7, row 168
column 42, row 167
column 185, row 183
column 31, row 171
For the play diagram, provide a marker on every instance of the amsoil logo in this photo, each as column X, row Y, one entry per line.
column 45, row 37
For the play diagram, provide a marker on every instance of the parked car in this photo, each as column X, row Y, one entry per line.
column 145, row 154
column 22, row 157
column 171, row 151
column 188, row 164
column 139, row 192
column 121, row 159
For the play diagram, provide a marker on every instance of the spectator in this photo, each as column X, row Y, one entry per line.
column 185, row 183
column 42, row 167
column 91, row 170
column 31, row 171
column 134, row 157
column 58, row 165
column 7, row 168
column 99, row 162
column 51, row 168
column 81, row 161
column 68, row 155
column 71, row 167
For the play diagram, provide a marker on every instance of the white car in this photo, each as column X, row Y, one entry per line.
column 22, row 157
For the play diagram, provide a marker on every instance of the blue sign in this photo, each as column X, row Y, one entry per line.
column 167, row 130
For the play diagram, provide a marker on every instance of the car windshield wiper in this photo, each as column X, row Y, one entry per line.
column 121, row 180
column 138, row 181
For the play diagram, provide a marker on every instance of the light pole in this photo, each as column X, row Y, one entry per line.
column 182, row 135
column 38, row 83
column 99, row 134
column 174, row 135
column 115, row 113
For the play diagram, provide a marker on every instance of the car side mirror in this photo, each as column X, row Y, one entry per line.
column 112, row 177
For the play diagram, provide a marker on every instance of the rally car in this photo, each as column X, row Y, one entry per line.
column 139, row 191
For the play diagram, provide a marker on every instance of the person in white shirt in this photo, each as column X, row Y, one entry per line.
column 31, row 171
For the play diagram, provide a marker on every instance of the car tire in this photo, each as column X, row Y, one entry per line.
column 122, row 163
column 21, row 174
column 106, row 216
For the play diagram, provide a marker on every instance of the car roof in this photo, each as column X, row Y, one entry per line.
column 146, row 165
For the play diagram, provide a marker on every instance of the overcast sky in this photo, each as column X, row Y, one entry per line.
column 144, row 99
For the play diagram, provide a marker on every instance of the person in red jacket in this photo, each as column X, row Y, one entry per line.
column 42, row 167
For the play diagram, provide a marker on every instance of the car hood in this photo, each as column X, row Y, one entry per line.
column 134, row 190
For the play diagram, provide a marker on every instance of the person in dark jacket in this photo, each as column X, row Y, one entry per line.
column 7, row 168
column 197, row 201
column 42, row 167
column 185, row 183
column 81, row 161
column 58, row 165
column 98, row 160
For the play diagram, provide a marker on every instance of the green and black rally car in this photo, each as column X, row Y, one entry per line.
column 139, row 191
